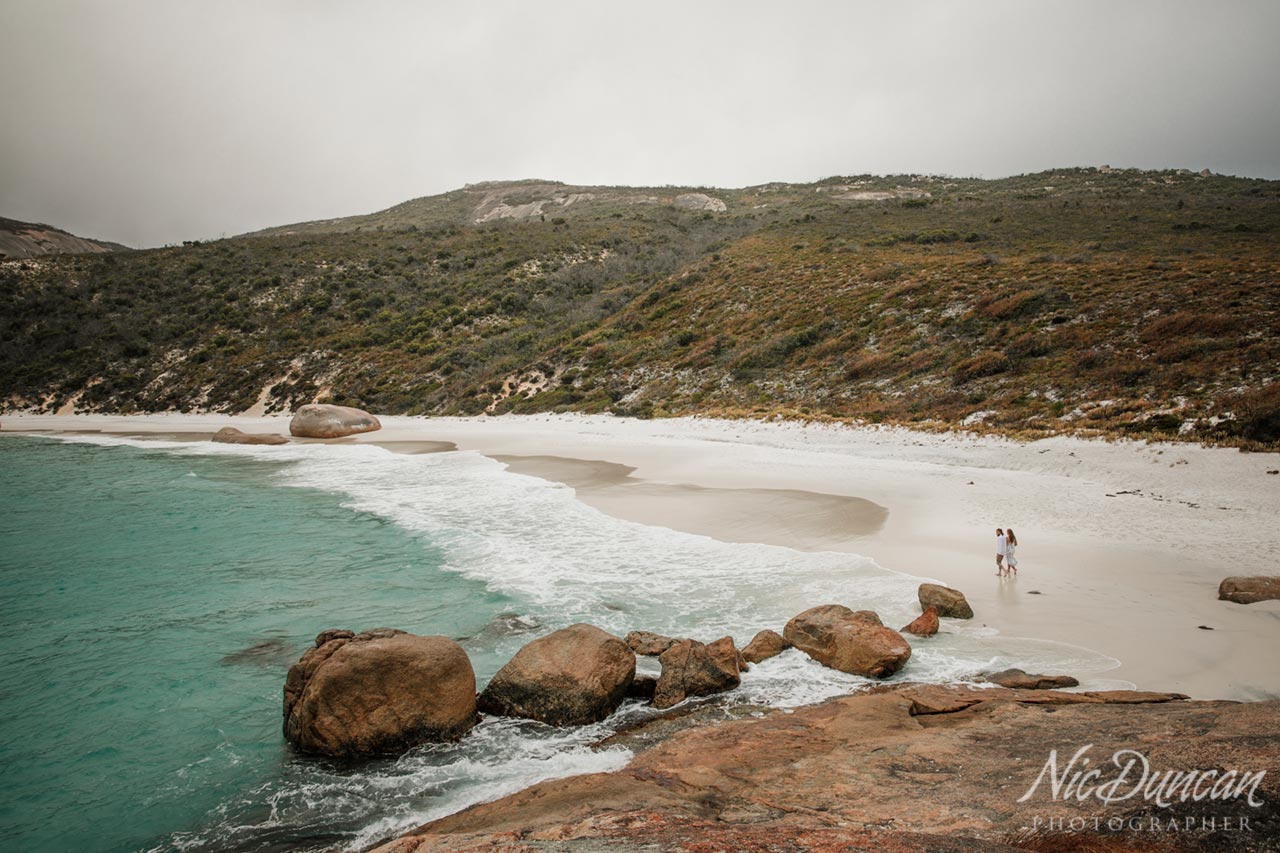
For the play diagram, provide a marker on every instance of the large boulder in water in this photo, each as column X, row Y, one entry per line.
column 690, row 668
column 378, row 693
column 764, row 645
column 231, row 435
column 570, row 677
column 950, row 602
column 1249, row 590
column 924, row 625
column 318, row 420
column 856, row 643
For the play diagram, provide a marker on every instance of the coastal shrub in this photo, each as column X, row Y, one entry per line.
column 1185, row 323
column 1012, row 306
column 1162, row 423
column 1257, row 414
column 986, row 363
column 868, row 365
column 685, row 337
column 1028, row 345
column 1185, row 350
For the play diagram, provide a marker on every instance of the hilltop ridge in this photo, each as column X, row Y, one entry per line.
column 32, row 239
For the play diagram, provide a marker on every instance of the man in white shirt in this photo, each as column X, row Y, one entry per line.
column 1000, row 551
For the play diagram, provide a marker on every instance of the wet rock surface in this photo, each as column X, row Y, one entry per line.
column 902, row 767
column 570, row 677
column 379, row 692
column 851, row 641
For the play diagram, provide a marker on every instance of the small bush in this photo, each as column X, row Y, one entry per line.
column 868, row 365
column 1257, row 413
column 1029, row 345
column 1022, row 302
column 1188, row 323
column 986, row 363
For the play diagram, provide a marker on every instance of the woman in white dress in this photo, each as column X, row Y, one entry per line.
column 1011, row 551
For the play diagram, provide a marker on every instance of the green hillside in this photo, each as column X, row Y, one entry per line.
column 1121, row 302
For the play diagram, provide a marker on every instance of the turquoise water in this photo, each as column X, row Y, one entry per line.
column 152, row 604
column 155, row 593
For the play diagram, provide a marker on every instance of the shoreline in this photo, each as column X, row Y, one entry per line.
column 923, row 504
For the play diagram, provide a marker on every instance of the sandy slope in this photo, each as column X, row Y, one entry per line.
column 1124, row 543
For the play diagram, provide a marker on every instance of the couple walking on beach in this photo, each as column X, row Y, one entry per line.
column 1006, row 553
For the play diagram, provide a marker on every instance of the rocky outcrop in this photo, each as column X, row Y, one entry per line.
column 853, row 642
column 924, row 625
column 1249, row 590
column 231, row 435
column 764, row 645
column 570, row 677
column 1019, row 680
column 904, row 768
column 29, row 239
column 317, row 420
column 690, row 668
column 700, row 201
column 648, row 644
column 380, row 692
column 950, row 602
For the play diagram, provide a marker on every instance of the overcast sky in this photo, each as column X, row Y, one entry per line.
column 155, row 122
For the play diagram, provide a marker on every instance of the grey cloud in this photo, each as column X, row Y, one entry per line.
column 153, row 122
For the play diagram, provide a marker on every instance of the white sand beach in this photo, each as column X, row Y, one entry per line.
column 1122, row 544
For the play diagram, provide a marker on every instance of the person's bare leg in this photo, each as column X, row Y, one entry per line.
column 1000, row 565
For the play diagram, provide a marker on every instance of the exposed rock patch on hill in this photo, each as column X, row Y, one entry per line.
column 700, row 201
column 29, row 240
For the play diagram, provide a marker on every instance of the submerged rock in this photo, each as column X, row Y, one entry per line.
column 570, row 677
column 1019, row 680
column 648, row 644
column 270, row 652
column 924, row 625
column 950, row 602
column 764, row 645
column 380, row 692
column 317, row 420
column 690, row 668
column 852, row 642
column 1249, row 590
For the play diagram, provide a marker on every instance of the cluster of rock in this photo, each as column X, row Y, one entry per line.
column 689, row 668
column 316, row 420
column 385, row 691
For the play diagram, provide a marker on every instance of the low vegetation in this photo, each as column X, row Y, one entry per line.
column 1141, row 304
